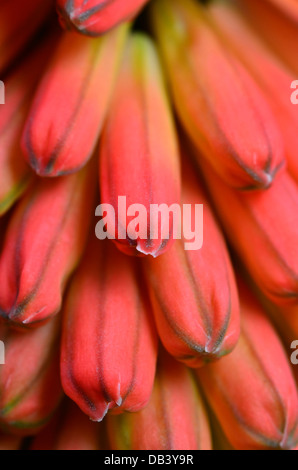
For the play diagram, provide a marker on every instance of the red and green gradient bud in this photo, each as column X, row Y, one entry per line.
column 20, row 84
column 96, row 17
column 268, row 70
column 109, row 342
column 44, row 242
column 262, row 222
column 18, row 24
column 193, row 292
column 252, row 391
column 70, row 104
column 218, row 102
column 30, row 388
column 139, row 157
column 174, row 419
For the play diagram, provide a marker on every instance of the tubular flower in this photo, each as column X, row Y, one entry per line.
column 267, row 223
column 229, row 119
column 271, row 74
column 59, row 143
column 252, row 391
column 19, row 89
column 44, row 243
column 139, row 156
column 201, row 322
column 115, row 368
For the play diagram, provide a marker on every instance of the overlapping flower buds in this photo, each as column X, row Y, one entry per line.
column 148, row 225
column 267, row 418
column 19, row 25
column 201, row 322
column 268, row 70
column 216, row 111
column 269, row 221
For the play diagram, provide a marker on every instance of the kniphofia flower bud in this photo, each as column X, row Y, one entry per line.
column 269, row 71
column 193, row 291
column 218, row 102
column 252, row 391
column 96, row 17
column 174, row 419
column 109, row 344
column 19, row 88
column 139, row 158
column 69, row 108
column 44, row 243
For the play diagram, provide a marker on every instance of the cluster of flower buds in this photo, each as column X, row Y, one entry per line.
column 148, row 225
